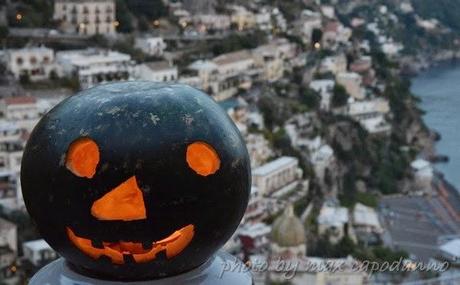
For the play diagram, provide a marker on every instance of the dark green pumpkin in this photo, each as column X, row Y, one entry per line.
column 142, row 129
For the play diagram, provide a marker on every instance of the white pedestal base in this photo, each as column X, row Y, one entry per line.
column 223, row 269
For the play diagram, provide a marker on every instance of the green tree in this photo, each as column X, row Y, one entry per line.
column 348, row 196
column 150, row 9
column 24, row 79
column 281, row 140
column 316, row 36
column 309, row 97
column 236, row 42
column 4, row 32
column 345, row 247
column 339, row 96
column 124, row 17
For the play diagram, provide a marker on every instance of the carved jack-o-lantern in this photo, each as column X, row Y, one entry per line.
column 136, row 180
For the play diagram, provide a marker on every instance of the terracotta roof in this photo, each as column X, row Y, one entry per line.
column 20, row 100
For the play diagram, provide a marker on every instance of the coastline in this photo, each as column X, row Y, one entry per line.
column 433, row 136
column 412, row 65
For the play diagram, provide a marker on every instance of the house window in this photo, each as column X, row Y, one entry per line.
column 19, row 60
column 33, row 60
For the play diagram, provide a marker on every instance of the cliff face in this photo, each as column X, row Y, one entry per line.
column 378, row 164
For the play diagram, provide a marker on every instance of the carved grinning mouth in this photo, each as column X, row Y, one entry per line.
column 172, row 245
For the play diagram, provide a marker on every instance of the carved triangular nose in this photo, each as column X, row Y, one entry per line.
column 124, row 203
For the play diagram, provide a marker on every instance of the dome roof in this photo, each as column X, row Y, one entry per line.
column 288, row 230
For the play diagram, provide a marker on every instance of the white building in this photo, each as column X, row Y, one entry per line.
column 8, row 252
column 22, row 110
column 213, row 22
column 406, row 7
column 153, row 46
column 391, row 49
column 352, row 82
column 256, row 206
column 35, row 62
column 86, row 17
column 8, row 235
column 237, row 110
column 279, row 19
column 242, row 18
column 234, row 63
column 38, row 252
column 299, row 128
column 369, row 107
column 366, row 222
column 322, row 159
column 325, row 88
column 159, row 71
column 225, row 74
column 94, row 66
column 9, row 131
column 371, row 114
column 11, row 147
column 258, row 148
column 308, row 21
column 424, row 173
column 334, row 64
column 270, row 58
column 328, row 11
column 282, row 174
column 10, row 192
column 264, row 19
column 333, row 220
column 204, row 70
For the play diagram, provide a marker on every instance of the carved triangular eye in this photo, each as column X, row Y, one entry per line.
column 202, row 158
column 83, row 157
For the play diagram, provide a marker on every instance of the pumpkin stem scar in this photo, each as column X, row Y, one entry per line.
column 125, row 203
column 83, row 157
column 202, row 158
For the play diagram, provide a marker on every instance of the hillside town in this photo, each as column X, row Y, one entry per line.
column 342, row 164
